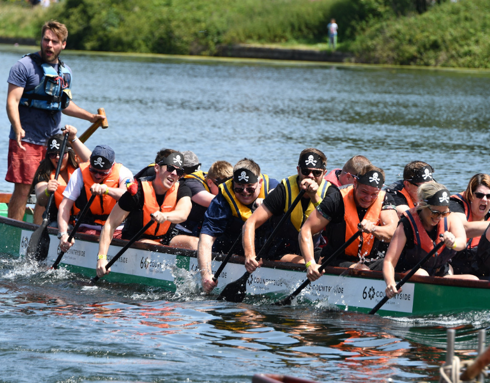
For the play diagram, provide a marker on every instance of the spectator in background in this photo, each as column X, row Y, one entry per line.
column 332, row 34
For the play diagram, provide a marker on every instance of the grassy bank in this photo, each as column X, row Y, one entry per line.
column 376, row 31
column 450, row 34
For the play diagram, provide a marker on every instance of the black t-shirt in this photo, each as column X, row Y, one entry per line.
column 332, row 208
column 129, row 202
column 407, row 228
column 394, row 191
column 196, row 216
column 276, row 200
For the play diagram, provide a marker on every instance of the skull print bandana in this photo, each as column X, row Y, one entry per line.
column 372, row 178
column 54, row 144
column 441, row 198
column 423, row 175
column 175, row 159
column 244, row 176
column 311, row 160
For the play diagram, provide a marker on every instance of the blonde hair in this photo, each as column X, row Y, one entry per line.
column 220, row 170
column 427, row 190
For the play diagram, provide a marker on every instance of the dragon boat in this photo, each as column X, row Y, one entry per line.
column 340, row 288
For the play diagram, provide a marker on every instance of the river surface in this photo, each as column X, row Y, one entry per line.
column 54, row 330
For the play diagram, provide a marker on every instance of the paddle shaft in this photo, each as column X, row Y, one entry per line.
column 321, row 268
column 227, row 258
column 72, row 234
column 233, row 288
column 58, row 170
column 122, row 251
column 408, row 276
column 104, row 123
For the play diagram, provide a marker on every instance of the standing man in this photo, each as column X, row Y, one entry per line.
column 38, row 91
column 312, row 165
column 332, row 34
column 341, row 212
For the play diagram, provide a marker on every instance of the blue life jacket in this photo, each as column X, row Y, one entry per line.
column 53, row 91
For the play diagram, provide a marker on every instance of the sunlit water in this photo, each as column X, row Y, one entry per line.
column 55, row 329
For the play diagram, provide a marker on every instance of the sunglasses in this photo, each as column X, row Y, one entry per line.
column 307, row 171
column 219, row 181
column 241, row 190
column 53, row 156
column 179, row 171
column 98, row 172
column 437, row 213
column 481, row 195
column 415, row 183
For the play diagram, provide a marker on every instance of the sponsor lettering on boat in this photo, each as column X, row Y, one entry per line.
column 148, row 263
column 326, row 288
column 369, row 292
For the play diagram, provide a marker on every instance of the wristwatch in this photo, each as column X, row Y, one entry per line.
column 62, row 234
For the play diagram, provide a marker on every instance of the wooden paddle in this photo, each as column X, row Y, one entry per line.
column 38, row 247
column 235, row 291
column 287, row 301
column 77, row 225
column 408, row 276
column 104, row 123
column 227, row 258
column 122, row 251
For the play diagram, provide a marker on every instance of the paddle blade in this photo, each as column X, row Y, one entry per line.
column 38, row 247
column 235, row 291
column 285, row 302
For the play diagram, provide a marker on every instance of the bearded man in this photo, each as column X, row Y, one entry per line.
column 38, row 92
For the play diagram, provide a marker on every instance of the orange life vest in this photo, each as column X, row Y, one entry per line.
column 58, row 194
column 408, row 198
column 151, row 205
column 352, row 220
column 101, row 210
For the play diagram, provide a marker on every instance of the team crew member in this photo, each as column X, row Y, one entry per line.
column 340, row 212
column 419, row 232
column 163, row 196
column 38, row 92
column 44, row 183
column 311, row 169
column 404, row 191
column 345, row 176
column 472, row 207
column 237, row 200
column 204, row 187
column 101, row 176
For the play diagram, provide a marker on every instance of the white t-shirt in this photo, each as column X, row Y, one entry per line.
column 333, row 28
column 75, row 185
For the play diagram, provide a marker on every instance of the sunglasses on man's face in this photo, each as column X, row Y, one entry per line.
column 179, row 171
column 218, row 181
column 98, row 172
column 481, row 195
column 55, row 155
column 241, row 190
column 437, row 213
column 307, row 171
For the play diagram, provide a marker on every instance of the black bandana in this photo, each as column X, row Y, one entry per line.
column 175, row 159
column 244, row 176
column 441, row 198
column 311, row 160
column 54, row 145
column 423, row 175
column 372, row 178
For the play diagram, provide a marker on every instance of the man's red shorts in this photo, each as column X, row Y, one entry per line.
column 22, row 164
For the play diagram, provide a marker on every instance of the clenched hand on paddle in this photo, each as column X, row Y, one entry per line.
column 38, row 247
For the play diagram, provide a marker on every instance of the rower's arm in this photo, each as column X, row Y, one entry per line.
column 64, row 212
column 257, row 219
column 203, row 198
column 400, row 209
column 178, row 215
column 385, row 231
column 474, row 228
column 78, row 146
column 313, row 225
column 204, row 250
column 116, row 217
column 391, row 259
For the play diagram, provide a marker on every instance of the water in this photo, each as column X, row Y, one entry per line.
column 55, row 330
